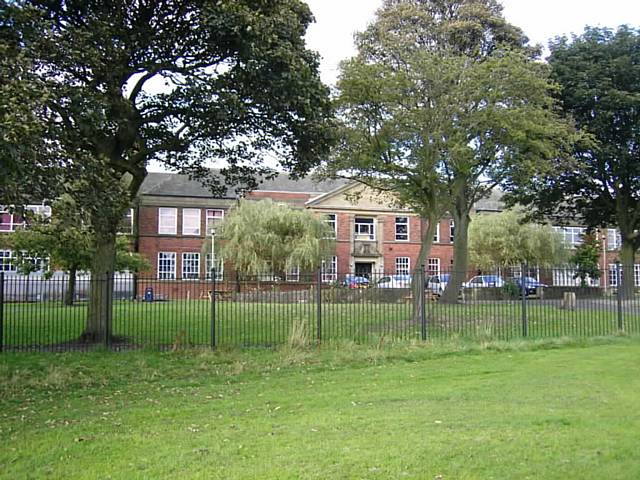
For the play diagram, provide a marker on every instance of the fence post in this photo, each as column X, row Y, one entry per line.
column 1, row 311
column 523, row 294
column 213, row 308
column 319, row 304
column 619, row 295
column 108, row 305
column 423, row 304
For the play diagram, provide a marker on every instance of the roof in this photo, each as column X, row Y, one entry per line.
column 178, row 185
column 493, row 203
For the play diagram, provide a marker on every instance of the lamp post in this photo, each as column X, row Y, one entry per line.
column 213, row 250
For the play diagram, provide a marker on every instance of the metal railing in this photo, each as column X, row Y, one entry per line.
column 267, row 310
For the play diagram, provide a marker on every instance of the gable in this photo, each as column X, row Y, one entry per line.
column 355, row 197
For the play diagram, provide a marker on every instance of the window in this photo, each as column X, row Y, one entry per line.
column 293, row 274
column 365, row 229
column 402, row 266
column 219, row 268
column 214, row 216
column 191, row 221
column 571, row 236
column 436, row 235
column 613, row 274
column 332, row 221
column 167, row 221
column 166, row 265
column 402, row 229
column 6, row 264
column 190, row 265
column 10, row 222
column 614, row 239
column 126, row 225
column 452, row 230
column 330, row 270
column 433, row 266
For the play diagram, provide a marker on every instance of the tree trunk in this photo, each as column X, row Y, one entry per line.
column 627, row 259
column 460, row 256
column 70, row 294
column 417, row 285
column 101, row 293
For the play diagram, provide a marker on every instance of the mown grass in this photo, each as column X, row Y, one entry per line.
column 561, row 408
column 258, row 324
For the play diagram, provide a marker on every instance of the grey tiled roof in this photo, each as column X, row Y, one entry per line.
column 177, row 185
column 491, row 204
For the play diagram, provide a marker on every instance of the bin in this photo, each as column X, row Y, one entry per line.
column 148, row 294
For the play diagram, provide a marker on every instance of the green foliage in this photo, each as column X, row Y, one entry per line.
column 265, row 237
column 180, row 81
column 442, row 103
column 66, row 241
column 586, row 258
column 505, row 239
column 599, row 75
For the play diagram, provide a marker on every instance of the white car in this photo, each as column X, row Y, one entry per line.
column 437, row 283
column 485, row 281
column 395, row 281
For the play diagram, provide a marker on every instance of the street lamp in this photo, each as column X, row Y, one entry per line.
column 213, row 252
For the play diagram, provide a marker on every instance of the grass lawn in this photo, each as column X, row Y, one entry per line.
column 547, row 409
column 251, row 324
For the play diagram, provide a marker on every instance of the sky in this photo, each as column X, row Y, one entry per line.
column 541, row 20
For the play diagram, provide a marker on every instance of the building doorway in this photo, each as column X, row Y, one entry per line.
column 364, row 269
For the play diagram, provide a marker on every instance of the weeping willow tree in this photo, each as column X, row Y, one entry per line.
column 505, row 240
column 260, row 237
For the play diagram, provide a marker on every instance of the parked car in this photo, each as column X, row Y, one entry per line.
column 395, row 281
column 531, row 285
column 437, row 283
column 355, row 281
column 484, row 281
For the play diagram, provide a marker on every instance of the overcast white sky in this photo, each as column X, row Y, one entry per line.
column 337, row 20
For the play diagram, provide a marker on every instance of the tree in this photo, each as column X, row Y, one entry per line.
column 586, row 258
column 599, row 73
column 443, row 103
column 505, row 240
column 259, row 237
column 66, row 243
column 177, row 81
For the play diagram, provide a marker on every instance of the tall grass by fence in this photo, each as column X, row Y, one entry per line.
column 266, row 310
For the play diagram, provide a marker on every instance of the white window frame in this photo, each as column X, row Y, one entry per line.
column 330, row 274
column 6, row 261
column 402, row 234
column 17, row 221
column 365, row 228
column 433, row 266
column 572, row 237
column 436, row 235
column 167, row 274
column 613, row 277
column 212, row 218
column 219, row 268
column 452, row 230
column 192, row 260
column 614, row 239
column 293, row 274
column 403, row 265
column 332, row 220
column 191, row 222
column 126, row 224
column 165, row 224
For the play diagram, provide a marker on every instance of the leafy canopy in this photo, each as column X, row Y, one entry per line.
column 505, row 239
column 265, row 237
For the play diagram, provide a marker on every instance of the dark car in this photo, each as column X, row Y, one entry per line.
column 355, row 281
column 531, row 285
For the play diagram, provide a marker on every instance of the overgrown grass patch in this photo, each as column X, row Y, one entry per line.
column 561, row 408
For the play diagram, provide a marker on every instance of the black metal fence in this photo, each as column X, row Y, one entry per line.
column 270, row 310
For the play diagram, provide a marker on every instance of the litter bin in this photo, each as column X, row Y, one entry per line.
column 148, row 294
